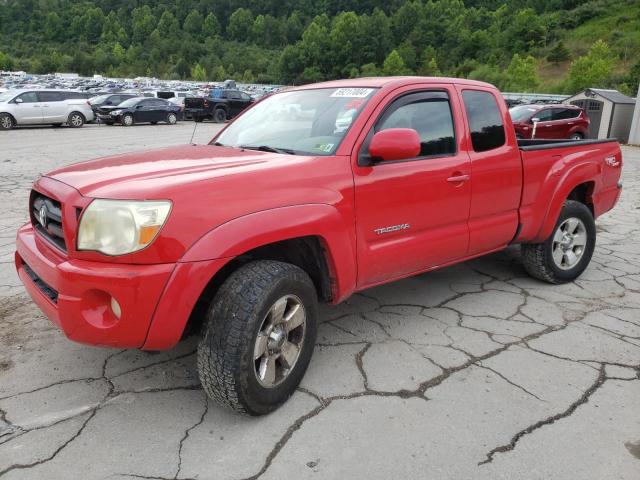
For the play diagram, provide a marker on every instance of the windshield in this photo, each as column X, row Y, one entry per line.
column 308, row 122
column 6, row 96
column 522, row 113
column 129, row 103
column 99, row 99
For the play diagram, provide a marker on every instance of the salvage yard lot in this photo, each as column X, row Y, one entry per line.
column 475, row 371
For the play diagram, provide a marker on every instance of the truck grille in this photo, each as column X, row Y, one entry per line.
column 46, row 218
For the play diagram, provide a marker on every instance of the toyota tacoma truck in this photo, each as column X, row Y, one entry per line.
column 241, row 239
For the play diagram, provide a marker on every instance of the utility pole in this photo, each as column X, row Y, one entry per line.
column 634, row 135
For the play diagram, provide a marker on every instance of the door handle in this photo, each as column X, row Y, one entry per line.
column 458, row 178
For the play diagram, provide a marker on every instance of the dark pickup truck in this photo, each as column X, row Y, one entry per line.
column 221, row 106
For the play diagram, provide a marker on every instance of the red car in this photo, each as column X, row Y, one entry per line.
column 243, row 237
column 553, row 121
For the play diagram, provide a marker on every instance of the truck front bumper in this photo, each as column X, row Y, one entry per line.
column 79, row 295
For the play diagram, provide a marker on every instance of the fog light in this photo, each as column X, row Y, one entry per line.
column 115, row 308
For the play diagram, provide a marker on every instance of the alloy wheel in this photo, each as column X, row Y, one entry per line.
column 279, row 341
column 569, row 243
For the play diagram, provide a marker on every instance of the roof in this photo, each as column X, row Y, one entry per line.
column 612, row 95
column 379, row 82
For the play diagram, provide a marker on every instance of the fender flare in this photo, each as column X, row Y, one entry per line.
column 245, row 233
column 582, row 173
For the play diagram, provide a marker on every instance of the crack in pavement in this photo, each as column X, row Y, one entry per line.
column 549, row 420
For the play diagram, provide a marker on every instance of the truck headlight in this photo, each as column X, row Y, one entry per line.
column 116, row 227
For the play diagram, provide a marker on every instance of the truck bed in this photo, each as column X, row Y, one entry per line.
column 549, row 166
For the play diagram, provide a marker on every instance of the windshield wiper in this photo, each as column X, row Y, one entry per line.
column 267, row 148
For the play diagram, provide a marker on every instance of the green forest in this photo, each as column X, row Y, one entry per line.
column 519, row 45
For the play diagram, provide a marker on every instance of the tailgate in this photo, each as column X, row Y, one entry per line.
column 194, row 102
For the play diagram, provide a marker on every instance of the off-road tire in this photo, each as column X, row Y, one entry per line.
column 219, row 115
column 226, row 362
column 537, row 257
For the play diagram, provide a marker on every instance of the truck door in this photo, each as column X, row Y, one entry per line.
column 412, row 214
column 235, row 102
column 496, row 169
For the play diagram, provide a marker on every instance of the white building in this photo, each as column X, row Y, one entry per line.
column 610, row 112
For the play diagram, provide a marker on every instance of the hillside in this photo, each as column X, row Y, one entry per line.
column 544, row 45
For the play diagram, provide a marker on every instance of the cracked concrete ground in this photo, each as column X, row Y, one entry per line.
column 475, row 371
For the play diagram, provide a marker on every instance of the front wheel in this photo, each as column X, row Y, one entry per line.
column 75, row 120
column 127, row 120
column 568, row 250
column 6, row 121
column 259, row 337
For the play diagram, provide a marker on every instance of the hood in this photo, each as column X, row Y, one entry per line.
column 153, row 174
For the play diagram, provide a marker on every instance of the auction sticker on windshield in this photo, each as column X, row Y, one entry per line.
column 352, row 92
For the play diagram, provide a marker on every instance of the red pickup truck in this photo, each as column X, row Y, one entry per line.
column 349, row 184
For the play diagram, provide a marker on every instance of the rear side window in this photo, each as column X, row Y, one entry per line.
column 564, row 113
column 485, row 120
column 73, row 95
column 50, row 96
column 429, row 114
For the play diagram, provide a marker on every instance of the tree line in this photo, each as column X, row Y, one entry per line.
column 291, row 42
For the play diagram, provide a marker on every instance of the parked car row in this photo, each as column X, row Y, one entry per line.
column 57, row 107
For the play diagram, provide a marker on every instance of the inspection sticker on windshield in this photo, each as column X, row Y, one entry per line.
column 352, row 92
column 324, row 147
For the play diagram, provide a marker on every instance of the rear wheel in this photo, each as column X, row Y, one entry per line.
column 6, row 121
column 220, row 116
column 576, row 136
column 259, row 337
column 75, row 120
column 568, row 250
column 127, row 120
column 172, row 118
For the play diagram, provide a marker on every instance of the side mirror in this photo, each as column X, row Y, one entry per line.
column 18, row 100
column 138, row 107
column 535, row 120
column 395, row 144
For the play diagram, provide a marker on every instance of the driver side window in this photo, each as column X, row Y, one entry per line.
column 29, row 97
column 429, row 114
